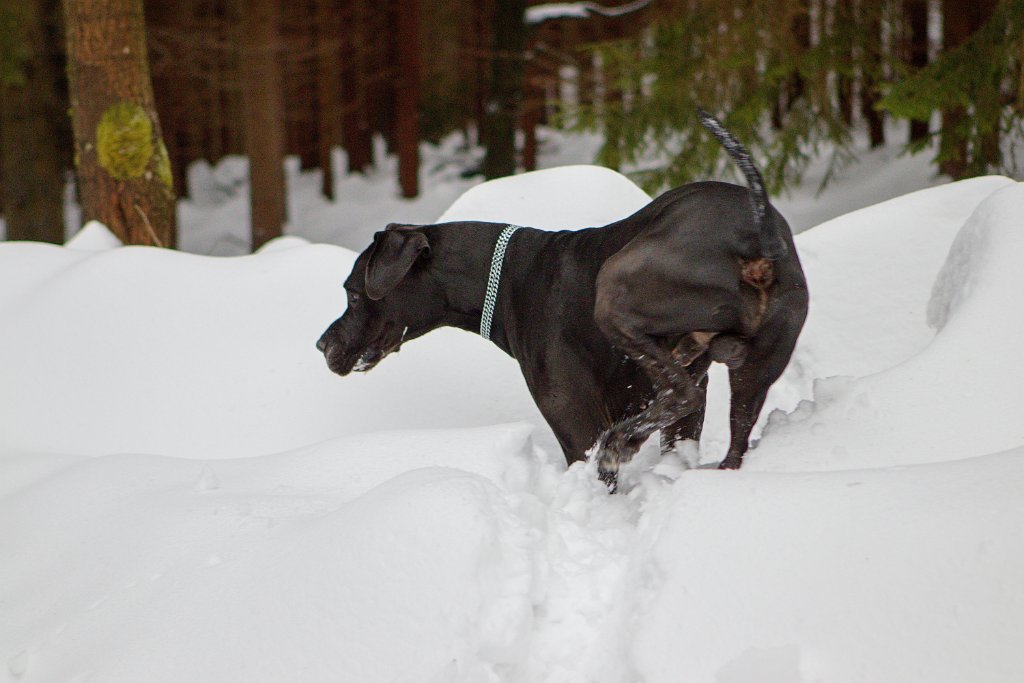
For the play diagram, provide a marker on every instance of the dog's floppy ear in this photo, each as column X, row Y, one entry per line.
column 394, row 252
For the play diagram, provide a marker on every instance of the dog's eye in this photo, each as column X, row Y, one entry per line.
column 353, row 297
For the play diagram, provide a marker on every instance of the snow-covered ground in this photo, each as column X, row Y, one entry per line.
column 187, row 494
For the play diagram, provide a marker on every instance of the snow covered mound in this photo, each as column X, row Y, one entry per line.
column 960, row 396
column 151, row 351
column 347, row 561
column 909, row 574
column 597, row 196
column 187, row 494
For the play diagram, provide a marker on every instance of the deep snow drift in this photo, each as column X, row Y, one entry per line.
column 186, row 493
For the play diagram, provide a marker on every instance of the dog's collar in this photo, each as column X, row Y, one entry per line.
column 494, row 279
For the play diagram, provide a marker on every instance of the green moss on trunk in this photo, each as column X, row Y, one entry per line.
column 124, row 140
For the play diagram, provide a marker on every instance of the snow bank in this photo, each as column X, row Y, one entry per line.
column 958, row 397
column 368, row 560
column 186, row 493
column 149, row 351
column 600, row 196
column 215, row 357
column 869, row 575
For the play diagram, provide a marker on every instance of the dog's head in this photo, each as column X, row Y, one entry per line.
column 391, row 298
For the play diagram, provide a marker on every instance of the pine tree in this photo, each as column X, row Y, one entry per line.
column 263, row 104
column 783, row 75
column 34, row 135
column 975, row 83
column 743, row 61
column 328, row 80
column 916, row 20
column 502, row 110
column 407, row 101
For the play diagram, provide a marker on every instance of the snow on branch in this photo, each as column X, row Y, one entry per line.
column 579, row 10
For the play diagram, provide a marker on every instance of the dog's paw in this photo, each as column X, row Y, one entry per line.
column 731, row 463
column 610, row 478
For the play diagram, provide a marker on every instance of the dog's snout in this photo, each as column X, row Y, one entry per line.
column 321, row 344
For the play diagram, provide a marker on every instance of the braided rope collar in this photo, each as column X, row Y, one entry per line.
column 494, row 279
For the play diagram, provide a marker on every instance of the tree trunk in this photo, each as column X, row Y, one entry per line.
column 872, row 60
column 263, row 105
column 124, row 175
column 357, row 131
column 407, row 127
column 480, row 47
column 177, row 84
column 842, row 23
column 959, row 21
column 33, row 131
column 801, row 23
column 328, row 81
column 916, row 20
column 508, row 45
column 533, row 112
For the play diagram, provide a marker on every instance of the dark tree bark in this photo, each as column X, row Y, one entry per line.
column 33, row 130
column 916, row 20
column 959, row 21
column 407, row 128
column 263, row 105
column 792, row 86
column 870, row 93
column 297, row 57
column 124, row 174
column 357, row 132
column 328, row 36
column 222, row 62
column 508, row 45
column 177, row 83
column 481, row 46
column 842, row 33
column 533, row 112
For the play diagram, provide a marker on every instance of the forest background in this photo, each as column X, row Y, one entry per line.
column 118, row 97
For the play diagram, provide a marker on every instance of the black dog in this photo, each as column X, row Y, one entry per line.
column 614, row 327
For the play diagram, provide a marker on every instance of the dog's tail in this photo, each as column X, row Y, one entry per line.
column 773, row 247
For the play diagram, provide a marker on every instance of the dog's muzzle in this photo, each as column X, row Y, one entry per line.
column 342, row 362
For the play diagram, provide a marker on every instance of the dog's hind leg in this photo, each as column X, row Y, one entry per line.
column 767, row 356
column 688, row 428
column 676, row 396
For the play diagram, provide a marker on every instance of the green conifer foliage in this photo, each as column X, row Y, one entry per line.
column 782, row 75
column 984, row 77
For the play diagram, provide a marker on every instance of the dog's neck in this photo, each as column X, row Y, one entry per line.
column 465, row 275
column 535, row 265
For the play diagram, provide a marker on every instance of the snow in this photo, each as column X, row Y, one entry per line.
column 94, row 236
column 186, row 492
column 538, row 199
column 214, row 219
column 971, row 357
column 579, row 10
